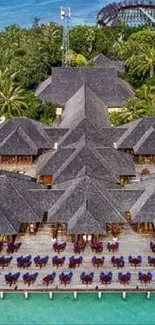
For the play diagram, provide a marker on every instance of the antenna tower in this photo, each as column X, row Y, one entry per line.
column 65, row 16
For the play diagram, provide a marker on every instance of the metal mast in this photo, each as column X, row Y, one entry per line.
column 65, row 16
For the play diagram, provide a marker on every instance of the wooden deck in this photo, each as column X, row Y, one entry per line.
column 131, row 243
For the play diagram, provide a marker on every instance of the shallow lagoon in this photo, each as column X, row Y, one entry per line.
column 87, row 309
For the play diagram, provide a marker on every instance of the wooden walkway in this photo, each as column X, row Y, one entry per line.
column 131, row 243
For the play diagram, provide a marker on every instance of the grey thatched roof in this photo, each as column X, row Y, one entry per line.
column 84, row 196
column 50, row 162
column 85, row 104
column 124, row 199
column 18, row 143
column 55, row 133
column 17, row 204
column 102, row 61
column 119, row 163
column 87, row 129
column 23, row 136
column 142, row 183
column 146, row 144
column 85, row 159
column 113, row 134
column 85, row 222
column 7, row 226
column 42, row 200
column 144, row 208
column 135, row 137
column 103, row 82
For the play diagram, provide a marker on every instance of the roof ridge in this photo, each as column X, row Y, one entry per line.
column 143, row 138
column 106, row 198
column 3, row 213
column 24, row 135
column 127, row 133
column 77, row 213
column 142, row 200
column 19, row 193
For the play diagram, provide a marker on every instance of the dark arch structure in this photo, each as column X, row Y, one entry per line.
column 132, row 13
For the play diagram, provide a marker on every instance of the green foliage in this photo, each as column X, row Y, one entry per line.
column 30, row 52
column 27, row 55
column 12, row 99
column 143, row 104
column 37, row 110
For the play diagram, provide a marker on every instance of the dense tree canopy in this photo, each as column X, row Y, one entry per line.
column 29, row 54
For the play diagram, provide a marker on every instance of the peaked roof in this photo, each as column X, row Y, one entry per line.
column 119, row 163
column 7, row 226
column 23, row 136
column 124, row 199
column 83, row 199
column 103, row 82
column 18, row 143
column 85, row 222
column 50, row 162
column 14, row 204
column 135, row 134
column 102, row 61
column 86, row 156
column 85, row 104
column 87, row 129
column 146, row 144
column 144, row 207
column 17, row 204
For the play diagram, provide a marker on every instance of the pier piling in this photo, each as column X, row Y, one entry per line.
column 148, row 295
column 51, row 295
column 26, row 295
column 124, row 295
column 75, row 295
column 1, row 294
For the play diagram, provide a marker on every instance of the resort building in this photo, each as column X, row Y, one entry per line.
column 132, row 13
column 92, row 192
column 103, row 79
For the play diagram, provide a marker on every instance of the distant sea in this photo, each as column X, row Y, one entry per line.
column 22, row 12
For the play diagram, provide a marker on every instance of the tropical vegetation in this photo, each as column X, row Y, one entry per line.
column 27, row 57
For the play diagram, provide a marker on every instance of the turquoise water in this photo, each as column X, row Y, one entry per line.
column 110, row 310
column 23, row 11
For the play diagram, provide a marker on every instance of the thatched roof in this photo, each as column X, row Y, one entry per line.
column 23, row 136
column 14, row 205
column 102, row 61
column 124, row 199
column 144, row 208
column 113, row 134
column 103, row 82
column 22, row 200
column 85, row 104
column 87, row 129
column 83, row 199
column 139, row 136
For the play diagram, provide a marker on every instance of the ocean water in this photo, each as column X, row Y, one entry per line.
column 86, row 310
column 22, row 12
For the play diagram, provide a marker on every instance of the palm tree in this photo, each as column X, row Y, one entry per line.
column 90, row 38
column 144, row 62
column 11, row 96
